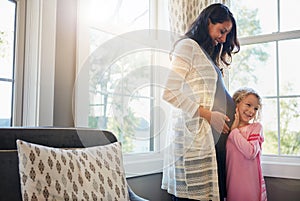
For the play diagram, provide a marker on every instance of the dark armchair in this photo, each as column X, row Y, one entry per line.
column 48, row 136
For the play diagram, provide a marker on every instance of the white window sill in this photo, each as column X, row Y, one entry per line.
column 272, row 166
column 142, row 164
column 282, row 167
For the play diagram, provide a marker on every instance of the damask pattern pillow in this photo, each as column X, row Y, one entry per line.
column 94, row 173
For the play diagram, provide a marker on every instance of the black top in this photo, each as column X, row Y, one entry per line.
column 223, row 103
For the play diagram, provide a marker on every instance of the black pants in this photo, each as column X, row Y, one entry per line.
column 174, row 198
column 221, row 160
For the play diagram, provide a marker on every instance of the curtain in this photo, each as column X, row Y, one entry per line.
column 182, row 13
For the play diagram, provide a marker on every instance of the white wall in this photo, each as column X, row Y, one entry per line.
column 65, row 66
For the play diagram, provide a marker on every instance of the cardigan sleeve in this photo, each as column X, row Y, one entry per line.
column 181, row 64
column 251, row 146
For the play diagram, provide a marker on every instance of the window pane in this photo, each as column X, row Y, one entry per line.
column 5, row 103
column 270, row 126
column 289, row 126
column 250, row 67
column 255, row 17
column 116, row 17
column 120, row 94
column 7, row 30
column 120, row 100
column 289, row 15
column 288, row 67
column 7, row 39
column 140, row 104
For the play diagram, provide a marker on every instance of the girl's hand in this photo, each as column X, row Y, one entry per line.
column 236, row 121
column 217, row 121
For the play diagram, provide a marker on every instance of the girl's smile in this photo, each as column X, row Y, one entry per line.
column 247, row 109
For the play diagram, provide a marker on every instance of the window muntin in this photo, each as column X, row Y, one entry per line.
column 7, row 42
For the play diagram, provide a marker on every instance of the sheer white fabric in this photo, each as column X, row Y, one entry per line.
column 190, row 166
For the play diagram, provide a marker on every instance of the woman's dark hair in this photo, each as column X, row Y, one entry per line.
column 215, row 13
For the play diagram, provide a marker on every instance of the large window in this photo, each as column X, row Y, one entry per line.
column 7, row 42
column 121, row 68
column 122, row 75
column 117, row 103
column 122, row 92
column 270, row 42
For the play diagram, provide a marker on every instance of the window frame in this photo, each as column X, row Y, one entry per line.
column 273, row 166
column 136, row 164
column 276, row 165
column 149, row 163
column 41, row 99
column 34, row 63
column 19, row 60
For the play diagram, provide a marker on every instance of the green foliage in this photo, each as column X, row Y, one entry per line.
column 289, row 139
column 1, row 37
column 3, row 44
column 271, row 145
column 290, row 143
column 246, row 60
column 245, row 64
column 115, row 82
column 247, row 22
column 124, row 129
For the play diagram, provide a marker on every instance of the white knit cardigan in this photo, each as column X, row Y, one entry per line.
column 190, row 166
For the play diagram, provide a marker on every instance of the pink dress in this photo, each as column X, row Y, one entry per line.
column 245, row 181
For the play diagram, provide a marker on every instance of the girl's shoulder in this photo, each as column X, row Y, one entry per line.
column 257, row 124
column 255, row 127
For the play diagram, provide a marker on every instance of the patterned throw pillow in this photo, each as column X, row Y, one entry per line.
column 93, row 173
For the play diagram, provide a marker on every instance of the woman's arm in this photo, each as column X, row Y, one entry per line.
column 181, row 64
column 173, row 91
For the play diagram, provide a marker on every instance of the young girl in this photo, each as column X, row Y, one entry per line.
column 244, row 174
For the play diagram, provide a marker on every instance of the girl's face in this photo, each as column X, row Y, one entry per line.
column 219, row 31
column 247, row 109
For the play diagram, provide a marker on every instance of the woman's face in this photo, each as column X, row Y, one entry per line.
column 219, row 31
